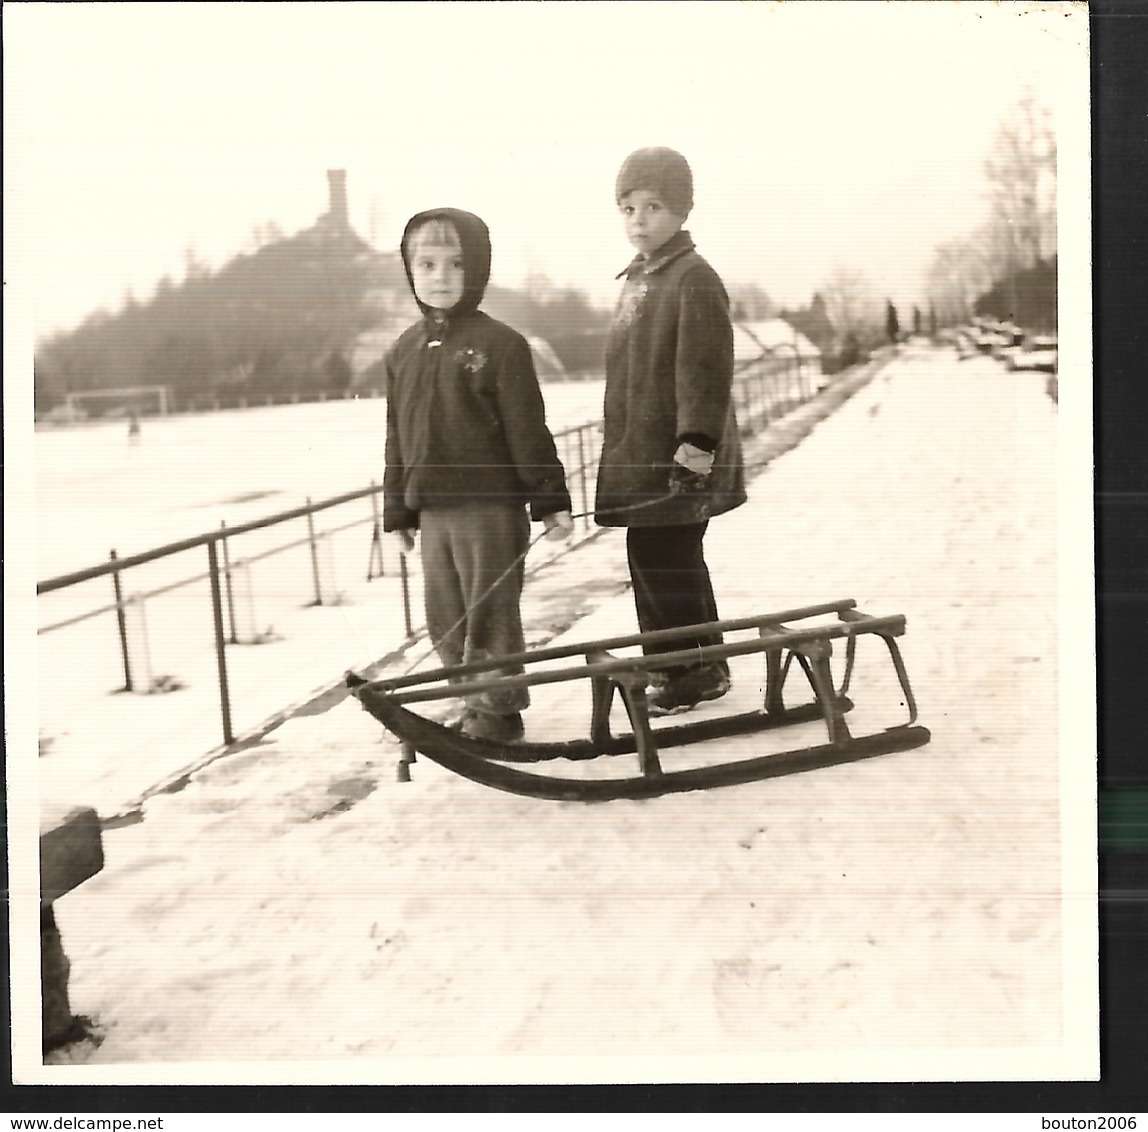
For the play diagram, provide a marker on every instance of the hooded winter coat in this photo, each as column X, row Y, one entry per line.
column 466, row 423
column 669, row 374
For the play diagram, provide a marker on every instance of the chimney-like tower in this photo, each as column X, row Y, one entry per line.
column 337, row 183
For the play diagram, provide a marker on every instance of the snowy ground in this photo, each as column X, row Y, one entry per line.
column 294, row 914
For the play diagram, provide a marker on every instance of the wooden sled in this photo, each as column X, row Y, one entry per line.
column 782, row 643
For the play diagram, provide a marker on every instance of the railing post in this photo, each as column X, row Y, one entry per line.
column 123, row 625
column 234, row 638
column 376, row 553
column 137, row 602
column 220, row 649
column 582, row 476
column 406, row 595
column 314, row 553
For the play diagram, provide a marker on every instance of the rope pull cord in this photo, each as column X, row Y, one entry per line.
column 622, row 510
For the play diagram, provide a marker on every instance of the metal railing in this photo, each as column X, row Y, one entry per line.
column 769, row 386
column 578, row 446
column 764, row 389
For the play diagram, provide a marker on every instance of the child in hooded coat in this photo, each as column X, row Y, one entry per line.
column 468, row 455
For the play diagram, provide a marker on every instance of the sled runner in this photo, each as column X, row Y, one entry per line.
column 776, row 637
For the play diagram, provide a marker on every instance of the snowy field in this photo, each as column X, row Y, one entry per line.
column 295, row 914
column 97, row 491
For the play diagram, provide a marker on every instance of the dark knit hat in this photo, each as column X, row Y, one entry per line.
column 658, row 170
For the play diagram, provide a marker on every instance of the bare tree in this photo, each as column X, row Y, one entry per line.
column 959, row 272
column 264, row 234
column 193, row 266
column 751, row 301
column 851, row 303
column 1021, row 176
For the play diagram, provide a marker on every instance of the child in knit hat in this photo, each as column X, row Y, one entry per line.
column 671, row 457
column 468, row 455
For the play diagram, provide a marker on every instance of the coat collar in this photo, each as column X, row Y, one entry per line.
column 436, row 325
column 676, row 246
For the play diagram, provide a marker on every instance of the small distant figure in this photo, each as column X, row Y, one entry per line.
column 133, row 429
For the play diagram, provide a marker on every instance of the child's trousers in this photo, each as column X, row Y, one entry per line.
column 672, row 584
column 464, row 551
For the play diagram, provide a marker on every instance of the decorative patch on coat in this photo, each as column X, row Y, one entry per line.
column 630, row 301
column 471, row 360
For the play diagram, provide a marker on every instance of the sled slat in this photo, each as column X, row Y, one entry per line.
column 407, row 691
column 560, row 652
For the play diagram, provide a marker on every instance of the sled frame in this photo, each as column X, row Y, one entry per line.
column 811, row 646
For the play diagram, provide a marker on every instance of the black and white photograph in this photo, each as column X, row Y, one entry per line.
column 546, row 543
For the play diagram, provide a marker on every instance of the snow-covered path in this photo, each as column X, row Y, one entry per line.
column 295, row 914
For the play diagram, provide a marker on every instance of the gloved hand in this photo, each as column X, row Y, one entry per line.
column 404, row 540
column 559, row 526
column 691, row 468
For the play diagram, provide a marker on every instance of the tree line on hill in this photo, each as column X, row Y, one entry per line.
column 279, row 323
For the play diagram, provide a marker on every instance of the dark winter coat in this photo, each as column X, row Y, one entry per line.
column 669, row 374
column 466, row 423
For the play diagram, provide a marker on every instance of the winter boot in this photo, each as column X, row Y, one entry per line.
column 688, row 688
column 493, row 728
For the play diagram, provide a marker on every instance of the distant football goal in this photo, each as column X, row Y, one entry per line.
column 127, row 401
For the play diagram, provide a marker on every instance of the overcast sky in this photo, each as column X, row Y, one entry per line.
column 821, row 135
